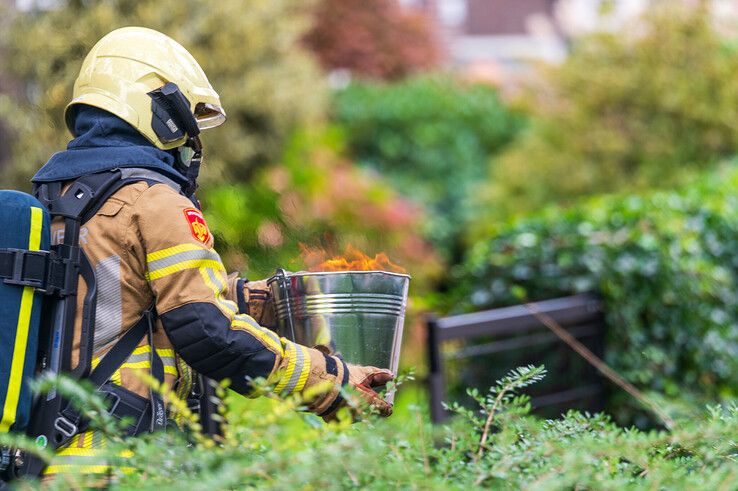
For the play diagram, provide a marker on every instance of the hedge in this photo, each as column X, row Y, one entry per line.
column 497, row 446
column 665, row 265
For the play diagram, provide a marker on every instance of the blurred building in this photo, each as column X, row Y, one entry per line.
column 499, row 39
column 492, row 38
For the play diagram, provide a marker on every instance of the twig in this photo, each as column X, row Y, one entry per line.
column 480, row 479
column 351, row 476
column 488, row 423
column 426, row 461
column 453, row 449
column 600, row 365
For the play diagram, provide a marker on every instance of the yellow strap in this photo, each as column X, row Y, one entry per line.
column 15, row 380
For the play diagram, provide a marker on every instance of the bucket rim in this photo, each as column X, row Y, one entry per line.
column 327, row 273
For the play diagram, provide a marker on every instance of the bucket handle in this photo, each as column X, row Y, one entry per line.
column 281, row 276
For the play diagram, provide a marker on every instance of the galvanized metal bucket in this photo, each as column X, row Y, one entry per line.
column 357, row 314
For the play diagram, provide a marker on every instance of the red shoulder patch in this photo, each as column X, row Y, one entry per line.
column 198, row 227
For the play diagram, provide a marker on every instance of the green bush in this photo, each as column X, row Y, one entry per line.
column 432, row 138
column 497, row 446
column 665, row 265
column 631, row 109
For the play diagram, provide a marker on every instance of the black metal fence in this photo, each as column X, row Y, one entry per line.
column 505, row 338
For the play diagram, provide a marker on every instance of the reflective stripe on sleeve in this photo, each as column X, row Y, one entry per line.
column 268, row 337
column 218, row 286
column 302, row 379
column 179, row 258
column 298, row 369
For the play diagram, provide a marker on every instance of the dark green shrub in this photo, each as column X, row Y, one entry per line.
column 431, row 137
column 665, row 265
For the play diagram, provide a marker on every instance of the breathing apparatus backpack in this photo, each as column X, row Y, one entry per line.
column 38, row 303
column 24, row 239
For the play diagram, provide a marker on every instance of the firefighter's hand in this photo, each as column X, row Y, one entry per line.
column 260, row 303
column 364, row 380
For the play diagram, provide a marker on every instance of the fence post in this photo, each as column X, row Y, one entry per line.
column 435, row 372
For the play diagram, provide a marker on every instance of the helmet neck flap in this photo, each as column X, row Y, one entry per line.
column 104, row 142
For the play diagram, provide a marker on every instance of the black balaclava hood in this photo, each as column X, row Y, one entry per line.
column 105, row 142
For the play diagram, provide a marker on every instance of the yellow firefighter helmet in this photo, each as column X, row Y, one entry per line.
column 150, row 81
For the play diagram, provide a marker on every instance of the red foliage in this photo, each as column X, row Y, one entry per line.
column 373, row 38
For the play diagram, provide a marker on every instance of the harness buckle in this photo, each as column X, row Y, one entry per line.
column 115, row 398
column 65, row 427
column 46, row 271
column 29, row 268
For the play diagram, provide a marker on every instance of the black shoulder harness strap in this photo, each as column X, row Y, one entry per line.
column 77, row 205
column 55, row 272
column 54, row 421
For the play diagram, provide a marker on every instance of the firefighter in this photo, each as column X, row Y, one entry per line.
column 139, row 104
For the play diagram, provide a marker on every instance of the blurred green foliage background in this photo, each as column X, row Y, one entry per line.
column 646, row 105
column 431, row 137
column 268, row 85
column 448, row 176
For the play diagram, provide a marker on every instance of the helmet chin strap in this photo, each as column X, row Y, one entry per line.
column 190, row 168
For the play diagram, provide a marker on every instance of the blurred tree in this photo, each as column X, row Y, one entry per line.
column 432, row 138
column 7, row 84
column 268, row 84
column 373, row 38
column 641, row 107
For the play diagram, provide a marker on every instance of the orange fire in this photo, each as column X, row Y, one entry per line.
column 352, row 260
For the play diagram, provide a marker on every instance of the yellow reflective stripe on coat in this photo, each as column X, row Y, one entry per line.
column 218, row 286
column 140, row 359
column 86, row 456
column 179, row 258
column 298, row 368
column 267, row 337
column 77, row 467
column 302, row 379
column 15, row 379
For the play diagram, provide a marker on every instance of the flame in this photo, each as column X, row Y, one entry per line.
column 351, row 260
